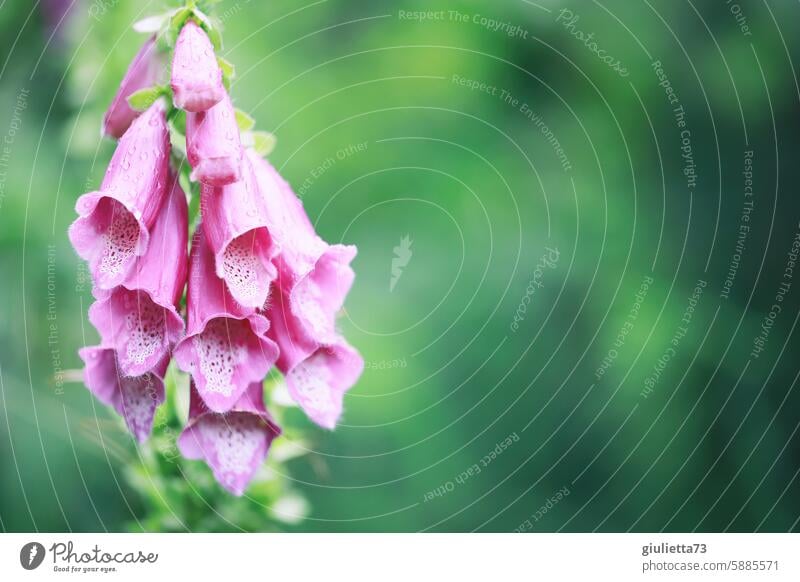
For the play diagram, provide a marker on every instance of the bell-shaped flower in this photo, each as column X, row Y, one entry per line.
column 235, row 443
column 146, row 70
column 225, row 348
column 315, row 299
column 114, row 222
column 314, row 275
column 319, row 382
column 196, row 77
column 236, row 228
column 135, row 398
column 139, row 317
column 213, row 145
column 318, row 373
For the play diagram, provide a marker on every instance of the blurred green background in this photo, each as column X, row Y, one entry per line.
column 491, row 134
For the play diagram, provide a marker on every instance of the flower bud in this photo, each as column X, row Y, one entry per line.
column 213, row 146
column 146, row 70
column 196, row 76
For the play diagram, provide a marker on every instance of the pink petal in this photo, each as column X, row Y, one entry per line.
column 213, row 146
column 196, row 76
column 113, row 224
column 145, row 70
column 224, row 358
column 107, row 235
column 293, row 339
column 226, row 348
column 299, row 246
column 135, row 398
column 141, row 330
column 319, row 295
column 235, row 224
column 139, row 318
column 233, row 444
column 316, row 276
column 319, row 382
column 162, row 269
column 305, row 318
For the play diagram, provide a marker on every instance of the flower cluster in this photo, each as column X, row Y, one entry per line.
column 262, row 288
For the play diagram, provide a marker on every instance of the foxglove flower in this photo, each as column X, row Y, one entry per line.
column 145, row 71
column 233, row 444
column 314, row 279
column 213, row 145
column 138, row 318
column 318, row 373
column 135, row 398
column 235, row 226
column 225, row 349
column 196, row 77
column 314, row 275
column 114, row 222
column 319, row 382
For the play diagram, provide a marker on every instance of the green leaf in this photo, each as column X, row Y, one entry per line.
column 228, row 70
column 144, row 98
column 170, row 31
column 244, row 121
column 263, row 142
column 215, row 37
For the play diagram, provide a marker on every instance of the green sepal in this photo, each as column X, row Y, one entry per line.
column 143, row 98
column 263, row 142
column 244, row 121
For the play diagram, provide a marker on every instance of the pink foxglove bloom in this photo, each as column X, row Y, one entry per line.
column 145, row 71
column 135, row 398
column 319, row 382
column 233, row 444
column 213, row 145
column 314, row 275
column 313, row 281
column 225, row 349
column 317, row 374
column 138, row 318
column 196, row 77
column 113, row 222
column 236, row 228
